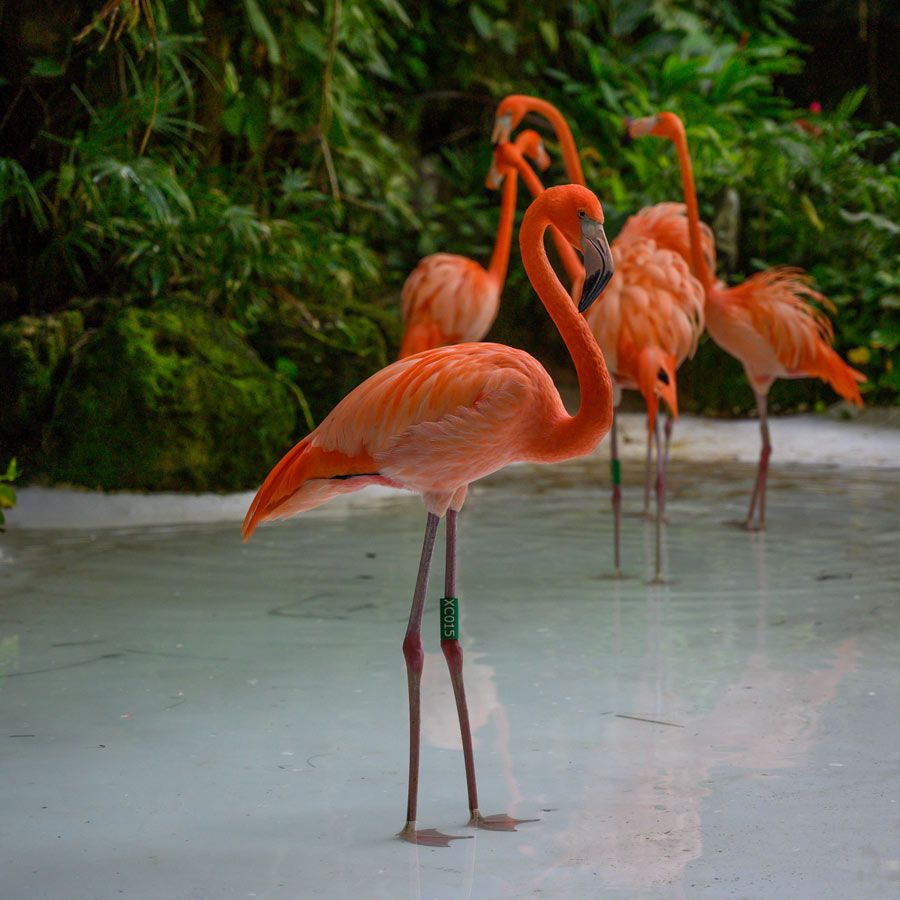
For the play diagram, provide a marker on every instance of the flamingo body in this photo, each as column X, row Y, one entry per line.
column 447, row 299
column 649, row 319
column 769, row 324
column 666, row 224
column 431, row 423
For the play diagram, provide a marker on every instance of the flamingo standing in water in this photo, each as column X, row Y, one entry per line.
column 768, row 322
column 451, row 299
column 436, row 421
column 650, row 319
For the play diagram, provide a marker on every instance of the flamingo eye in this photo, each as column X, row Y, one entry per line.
column 581, row 213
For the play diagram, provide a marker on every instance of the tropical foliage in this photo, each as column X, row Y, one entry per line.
column 288, row 163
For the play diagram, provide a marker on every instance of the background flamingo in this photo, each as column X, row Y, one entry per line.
column 449, row 299
column 435, row 422
column 651, row 318
column 768, row 322
column 647, row 323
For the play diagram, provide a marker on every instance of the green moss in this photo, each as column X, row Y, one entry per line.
column 34, row 352
column 327, row 351
column 168, row 398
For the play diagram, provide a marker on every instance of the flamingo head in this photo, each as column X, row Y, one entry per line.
column 530, row 144
column 577, row 213
column 664, row 124
column 509, row 156
column 509, row 115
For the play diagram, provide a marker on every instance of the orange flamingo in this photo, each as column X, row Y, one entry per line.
column 647, row 324
column 650, row 319
column 451, row 299
column 435, row 422
column 768, row 322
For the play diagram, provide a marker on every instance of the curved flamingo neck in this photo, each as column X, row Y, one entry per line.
column 567, row 255
column 676, row 133
column 571, row 160
column 578, row 434
column 503, row 242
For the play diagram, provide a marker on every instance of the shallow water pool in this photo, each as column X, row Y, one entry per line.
column 186, row 717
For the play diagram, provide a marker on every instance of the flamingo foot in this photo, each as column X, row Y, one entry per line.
column 429, row 837
column 498, row 822
column 747, row 525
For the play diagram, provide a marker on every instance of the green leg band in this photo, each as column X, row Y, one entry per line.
column 449, row 619
column 616, row 468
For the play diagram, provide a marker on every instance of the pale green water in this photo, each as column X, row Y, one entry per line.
column 185, row 717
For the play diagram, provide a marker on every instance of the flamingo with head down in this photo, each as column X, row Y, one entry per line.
column 437, row 421
column 450, row 299
column 768, row 322
column 649, row 320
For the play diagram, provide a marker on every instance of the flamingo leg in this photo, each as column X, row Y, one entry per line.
column 453, row 653
column 647, row 477
column 762, row 473
column 670, row 425
column 415, row 658
column 660, row 500
column 616, row 478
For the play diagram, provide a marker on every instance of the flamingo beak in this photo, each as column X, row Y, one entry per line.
column 494, row 178
column 502, row 128
column 598, row 262
column 637, row 128
column 542, row 158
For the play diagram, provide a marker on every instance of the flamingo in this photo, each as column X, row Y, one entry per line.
column 436, row 421
column 451, row 299
column 648, row 322
column 767, row 323
column 650, row 319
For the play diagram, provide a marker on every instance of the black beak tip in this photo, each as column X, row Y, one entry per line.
column 593, row 288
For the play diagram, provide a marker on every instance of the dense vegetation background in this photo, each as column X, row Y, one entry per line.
column 207, row 208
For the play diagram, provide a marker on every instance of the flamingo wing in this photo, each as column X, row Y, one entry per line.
column 431, row 423
column 447, row 299
column 667, row 225
column 778, row 332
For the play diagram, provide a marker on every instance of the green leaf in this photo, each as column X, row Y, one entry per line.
column 480, row 20
column 287, row 367
column 261, row 28
column 45, row 67
column 550, row 34
column 7, row 497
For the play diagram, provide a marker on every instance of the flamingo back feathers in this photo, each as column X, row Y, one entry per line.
column 667, row 225
column 652, row 300
column 776, row 305
column 447, row 299
column 431, row 423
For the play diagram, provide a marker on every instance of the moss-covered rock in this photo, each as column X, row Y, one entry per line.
column 326, row 351
column 168, row 398
column 34, row 352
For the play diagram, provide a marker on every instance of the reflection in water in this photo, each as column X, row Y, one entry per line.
column 651, row 801
column 440, row 724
